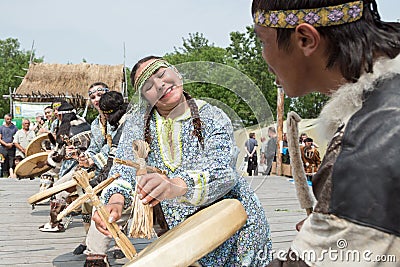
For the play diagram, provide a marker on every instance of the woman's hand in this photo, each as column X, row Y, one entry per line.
column 114, row 207
column 155, row 187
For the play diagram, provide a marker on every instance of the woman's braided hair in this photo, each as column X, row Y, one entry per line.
column 194, row 110
column 197, row 123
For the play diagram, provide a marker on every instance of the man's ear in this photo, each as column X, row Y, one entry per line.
column 308, row 38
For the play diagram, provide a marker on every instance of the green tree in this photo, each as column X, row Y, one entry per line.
column 246, row 50
column 245, row 54
column 308, row 106
column 13, row 64
column 197, row 48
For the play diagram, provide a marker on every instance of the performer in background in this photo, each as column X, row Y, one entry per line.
column 342, row 48
column 193, row 141
column 114, row 108
column 48, row 178
column 99, row 130
column 310, row 157
column 72, row 137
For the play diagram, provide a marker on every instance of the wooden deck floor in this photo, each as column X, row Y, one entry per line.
column 22, row 244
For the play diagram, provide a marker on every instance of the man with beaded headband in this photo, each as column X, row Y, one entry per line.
column 96, row 154
column 341, row 48
column 193, row 141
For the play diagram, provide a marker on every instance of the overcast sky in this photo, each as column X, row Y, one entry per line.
column 96, row 30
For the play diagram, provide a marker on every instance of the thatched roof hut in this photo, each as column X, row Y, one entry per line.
column 44, row 82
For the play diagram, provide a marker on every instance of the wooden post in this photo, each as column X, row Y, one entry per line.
column 280, row 109
column 11, row 102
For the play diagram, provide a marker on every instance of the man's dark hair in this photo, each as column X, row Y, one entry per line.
column 308, row 139
column 352, row 47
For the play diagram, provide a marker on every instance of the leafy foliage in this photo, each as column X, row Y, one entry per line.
column 244, row 54
column 242, row 60
column 13, row 63
column 308, row 106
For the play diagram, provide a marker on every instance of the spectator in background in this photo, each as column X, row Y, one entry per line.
column 251, row 152
column 285, row 150
column 270, row 152
column 23, row 137
column 262, row 150
column 7, row 149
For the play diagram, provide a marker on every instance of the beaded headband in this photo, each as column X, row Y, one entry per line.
column 148, row 71
column 56, row 105
column 99, row 89
column 67, row 111
column 317, row 17
column 108, row 111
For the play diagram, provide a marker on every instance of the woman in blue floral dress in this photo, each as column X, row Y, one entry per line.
column 193, row 141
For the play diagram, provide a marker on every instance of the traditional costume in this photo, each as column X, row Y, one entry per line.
column 79, row 137
column 311, row 159
column 209, row 173
column 357, row 184
column 97, row 243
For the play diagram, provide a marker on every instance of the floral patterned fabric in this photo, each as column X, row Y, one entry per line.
column 209, row 173
column 98, row 149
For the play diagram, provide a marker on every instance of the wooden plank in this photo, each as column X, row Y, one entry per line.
column 22, row 244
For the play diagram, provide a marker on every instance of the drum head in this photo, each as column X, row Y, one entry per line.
column 35, row 146
column 28, row 167
column 197, row 236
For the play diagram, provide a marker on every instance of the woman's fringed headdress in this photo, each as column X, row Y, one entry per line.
column 317, row 17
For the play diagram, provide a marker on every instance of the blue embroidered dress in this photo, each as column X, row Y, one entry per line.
column 98, row 149
column 210, row 175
